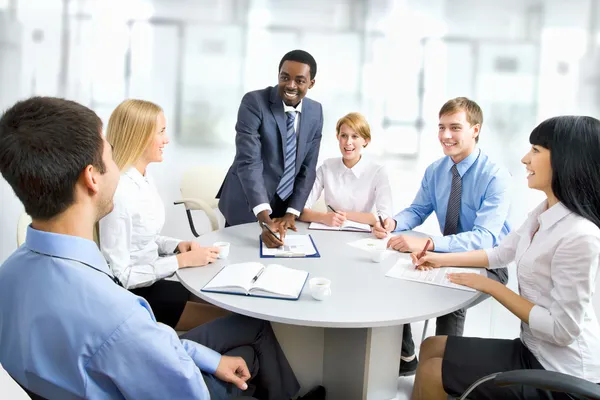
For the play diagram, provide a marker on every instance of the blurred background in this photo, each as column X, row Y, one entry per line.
column 396, row 61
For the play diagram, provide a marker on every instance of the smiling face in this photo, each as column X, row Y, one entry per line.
column 539, row 168
column 154, row 151
column 294, row 82
column 457, row 136
column 351, row 144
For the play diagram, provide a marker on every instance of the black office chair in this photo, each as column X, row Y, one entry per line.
column 541, row 379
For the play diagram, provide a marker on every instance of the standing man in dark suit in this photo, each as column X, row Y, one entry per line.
column 278, row 135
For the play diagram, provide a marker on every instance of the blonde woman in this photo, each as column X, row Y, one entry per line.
column 356, row 189
column 130, row 235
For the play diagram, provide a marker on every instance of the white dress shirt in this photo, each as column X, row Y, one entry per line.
column 286, row 109
column 363, row 188
column 557, row 270
column 130, row 235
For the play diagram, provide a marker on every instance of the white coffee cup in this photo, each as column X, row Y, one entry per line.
column 377, row 255
column 320, row 288
column 223, row 248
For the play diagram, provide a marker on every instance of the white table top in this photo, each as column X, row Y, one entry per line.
column 362, row 296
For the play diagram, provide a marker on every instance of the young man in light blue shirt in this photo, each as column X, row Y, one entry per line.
column 67, row 329
column 470, row 197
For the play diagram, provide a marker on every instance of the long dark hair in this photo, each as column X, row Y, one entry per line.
column 574, row 144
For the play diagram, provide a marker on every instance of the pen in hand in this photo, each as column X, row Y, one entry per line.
column 423, row 252
column 270, row 230
column 381, row 221
column 331, row 208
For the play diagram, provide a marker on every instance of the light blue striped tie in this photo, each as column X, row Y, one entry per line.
column 286, row 185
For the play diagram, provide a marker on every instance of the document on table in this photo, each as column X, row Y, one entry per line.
column 293, row 246
column 405, row 269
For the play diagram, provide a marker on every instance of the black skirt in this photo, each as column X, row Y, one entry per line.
column 468, row 359
column 167, row 299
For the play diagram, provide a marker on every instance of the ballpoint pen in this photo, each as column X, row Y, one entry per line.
column 424, row 251
column 257, row 276
column 331, row 208
column 381, row 221
column 270, row 230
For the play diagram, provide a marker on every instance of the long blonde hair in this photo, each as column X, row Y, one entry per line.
column 130, row 130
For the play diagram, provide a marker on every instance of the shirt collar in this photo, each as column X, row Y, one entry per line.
column 136, row 176
column 465, row 164
column 66, row 246
column 357, row 170
column 287, row 108
column 549, row 217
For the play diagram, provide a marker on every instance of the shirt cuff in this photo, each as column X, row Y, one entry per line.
column 493, row 261
column 441, row 244
column 541, row 323
column 293, row 211
column 170, row 245
column 206, row 359
column 166, row 266
column 262, row 207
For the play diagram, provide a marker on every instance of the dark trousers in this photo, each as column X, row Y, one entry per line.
column 452, row 324
column 254, row 341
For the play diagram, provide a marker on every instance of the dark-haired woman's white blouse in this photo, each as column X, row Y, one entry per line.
column 557, row 270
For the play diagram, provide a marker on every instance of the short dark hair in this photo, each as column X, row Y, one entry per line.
column 303, row 57
column 45, row 144
column 472, row 111
column 574, row 144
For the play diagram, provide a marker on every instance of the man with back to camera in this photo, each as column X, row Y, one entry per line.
column 278, row 135
column 67, row 329
column 471, row 199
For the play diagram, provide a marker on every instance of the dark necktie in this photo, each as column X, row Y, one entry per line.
column 286, row 184
column 453, row 210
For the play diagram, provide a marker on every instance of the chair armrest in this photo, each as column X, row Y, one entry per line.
column 199, row 204
column 549, row 380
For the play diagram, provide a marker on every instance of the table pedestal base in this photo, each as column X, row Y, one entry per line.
column 352, row 363
column 362, row 363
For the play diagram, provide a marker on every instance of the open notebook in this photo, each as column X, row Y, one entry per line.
column 346, row 226
column 274, row 281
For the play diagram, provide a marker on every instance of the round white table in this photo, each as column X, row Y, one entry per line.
column 357, row 363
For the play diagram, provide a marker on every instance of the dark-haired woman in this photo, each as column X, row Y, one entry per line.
column 557, row 251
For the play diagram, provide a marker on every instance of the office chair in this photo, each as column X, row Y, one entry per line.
column 199, row 186
column 541, row 379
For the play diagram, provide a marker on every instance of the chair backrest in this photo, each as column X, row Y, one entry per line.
column 202, row 182
column 22, row 224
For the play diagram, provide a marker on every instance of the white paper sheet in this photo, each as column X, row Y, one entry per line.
column 293, row 245
column 405, row 269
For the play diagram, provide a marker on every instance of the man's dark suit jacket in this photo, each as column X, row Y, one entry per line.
column 258, row 166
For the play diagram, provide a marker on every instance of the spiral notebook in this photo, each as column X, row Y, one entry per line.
column 255, row 279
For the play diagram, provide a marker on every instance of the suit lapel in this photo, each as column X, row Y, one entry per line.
column 277, row 110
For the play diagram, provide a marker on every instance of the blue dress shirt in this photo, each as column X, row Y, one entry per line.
column 68, row 331
column 484, row 208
